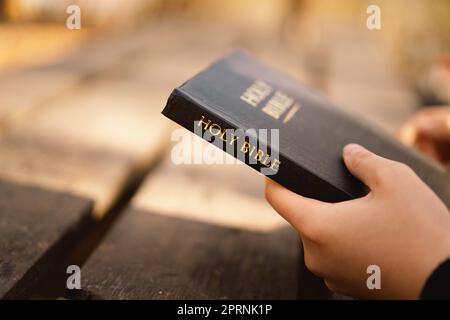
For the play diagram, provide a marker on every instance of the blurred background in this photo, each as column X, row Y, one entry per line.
column 80, row 109
column 70, row 98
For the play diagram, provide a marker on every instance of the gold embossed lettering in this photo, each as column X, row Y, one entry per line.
column 278, row 104
column 202, row 122
column 245, row 147
column 257, row 92
column 275, row 165
column 217, row 127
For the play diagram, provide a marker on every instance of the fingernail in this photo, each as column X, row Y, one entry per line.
column 352, row 149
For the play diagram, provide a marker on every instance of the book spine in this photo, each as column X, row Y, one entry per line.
column 184, row 110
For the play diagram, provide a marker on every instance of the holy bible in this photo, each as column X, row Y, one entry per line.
column 285, row 130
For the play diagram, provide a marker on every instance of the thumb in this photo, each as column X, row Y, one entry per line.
column 299, row 211
column 363, row 164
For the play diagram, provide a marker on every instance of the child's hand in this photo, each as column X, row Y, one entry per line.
column 400, row 226
column 429, row 130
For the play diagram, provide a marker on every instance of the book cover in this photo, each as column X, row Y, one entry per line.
column 285, row 130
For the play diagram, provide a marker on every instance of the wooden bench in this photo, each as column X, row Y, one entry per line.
column 36, row 227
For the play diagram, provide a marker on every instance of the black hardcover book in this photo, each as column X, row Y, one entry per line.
column 285, row 130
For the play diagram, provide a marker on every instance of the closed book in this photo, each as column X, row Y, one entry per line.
column 285, row 130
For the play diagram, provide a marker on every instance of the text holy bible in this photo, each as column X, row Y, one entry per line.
column 285, row 130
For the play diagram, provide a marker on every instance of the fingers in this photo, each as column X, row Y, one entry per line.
column 431, row 123
column 297, row 210
column 365, row 165
column 437, row 127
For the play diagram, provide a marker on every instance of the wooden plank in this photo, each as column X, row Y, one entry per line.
column 149, row 256
column 89, row 142
column 33, row 223
column 20, row 92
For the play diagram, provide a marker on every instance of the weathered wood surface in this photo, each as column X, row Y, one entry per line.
column 21, row 91
column 33, row 224
column 150, row 256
